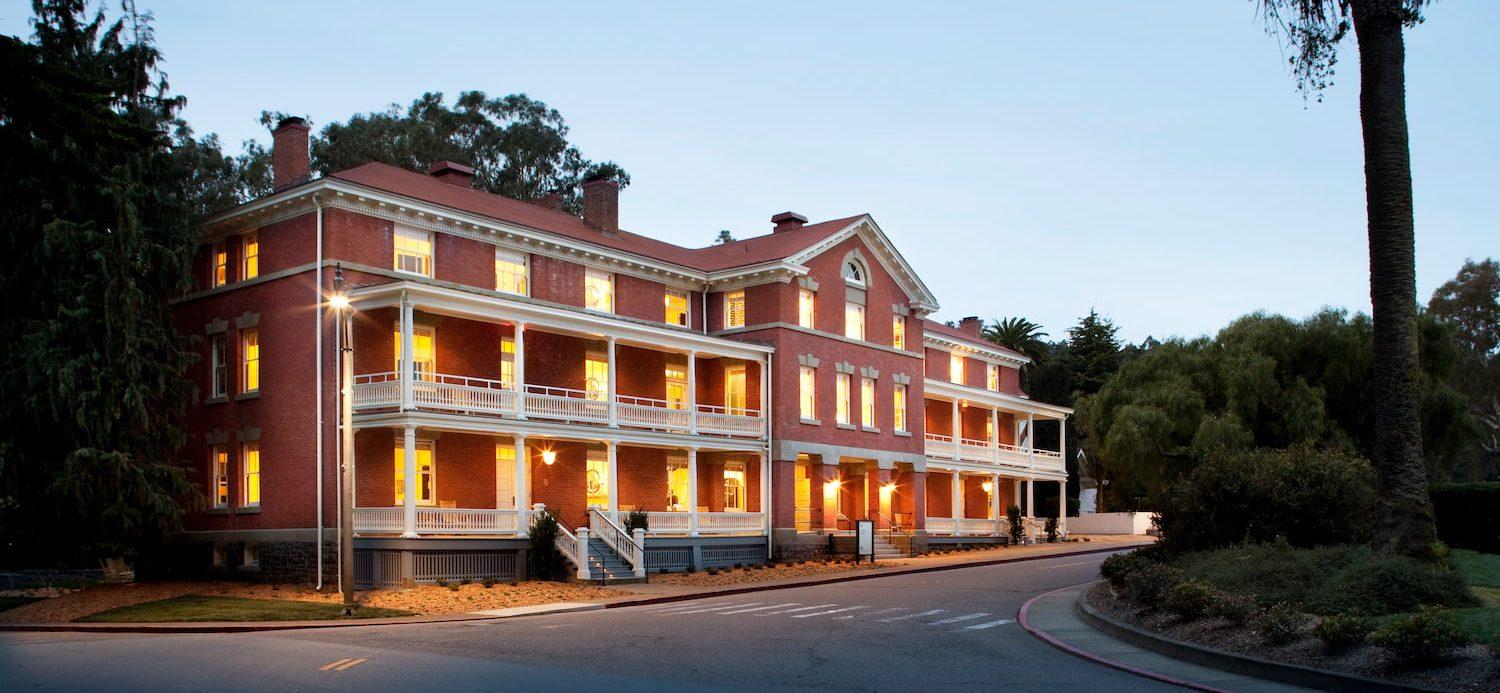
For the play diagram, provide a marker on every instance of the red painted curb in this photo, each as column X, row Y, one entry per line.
column 1044, row 636
column 851, row 578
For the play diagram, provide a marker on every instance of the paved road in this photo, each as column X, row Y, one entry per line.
column 934, row 631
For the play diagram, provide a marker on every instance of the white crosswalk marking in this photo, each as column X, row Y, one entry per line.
column 934, row 612
column 677, row 606
column 758, row 608
column 991, row 624
column 833, row 611
column 956, row 619
column 716, row 608
column 793, row 611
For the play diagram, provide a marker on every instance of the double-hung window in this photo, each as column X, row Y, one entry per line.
column 220, row 269
column 854, row 321
column 807, row 308
column 423, row 352
column 992, row 377
column 898, row 407
column 596, row 378
column 510, row 272
column 675, row 303
column 249, row 361
column 413, row 251
column 898, row 332
column 219, row 472
column 955, row 368
column 599, row 290
column 734, row 487
column 677, row 386
column 508, row 362
column 734, row 309
column 426, row 474
column 249, row 256
column 807, row 379
column 250, row 474
column 842, row 383
column 867, row 402
column 218, row 367
column 735, row 395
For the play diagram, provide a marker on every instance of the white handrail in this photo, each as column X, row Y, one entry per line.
column 617, row 539
column 574, row 549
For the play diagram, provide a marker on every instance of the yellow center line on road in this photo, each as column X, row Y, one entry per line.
column 350, row 664
column 331, row 665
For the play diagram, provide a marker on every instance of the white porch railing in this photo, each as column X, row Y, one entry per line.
column 480, row 396
column 678, row 522
column 574, row 549
column 978, row 526
column 629, row 547
column 939, row 445
column 442, row 520
column 729, row 522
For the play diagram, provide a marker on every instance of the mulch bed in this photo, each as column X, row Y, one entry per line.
column 1472, row 668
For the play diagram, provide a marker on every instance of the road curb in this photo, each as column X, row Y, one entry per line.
column 1282, row 672
column 1024, row 619
column 729, row 591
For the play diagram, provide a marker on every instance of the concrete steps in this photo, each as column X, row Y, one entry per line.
column 606, row 565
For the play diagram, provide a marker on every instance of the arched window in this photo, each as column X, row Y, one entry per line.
column 854, row 272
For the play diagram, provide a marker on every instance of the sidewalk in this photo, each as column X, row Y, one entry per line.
column 1053, row 618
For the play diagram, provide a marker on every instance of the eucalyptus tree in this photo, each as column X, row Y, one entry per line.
column 1314, row 29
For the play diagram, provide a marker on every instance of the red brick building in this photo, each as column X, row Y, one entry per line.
column 752, row 398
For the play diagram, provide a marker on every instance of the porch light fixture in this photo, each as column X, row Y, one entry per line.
column 338, row 301
column 889, row 487
column 549, row 456
column 987, row 486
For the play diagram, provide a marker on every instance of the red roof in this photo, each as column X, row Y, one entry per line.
column 750, row 251
column 960, row 335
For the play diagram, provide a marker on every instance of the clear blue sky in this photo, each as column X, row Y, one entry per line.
column 1149, row 159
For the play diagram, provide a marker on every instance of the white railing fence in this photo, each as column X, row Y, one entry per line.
column 574, row 549
column 616, row 538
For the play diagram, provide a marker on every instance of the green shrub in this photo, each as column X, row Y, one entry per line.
column 1190, row 599
column 1280, row 624
column 637, row 519
column 1117, row 566
column 1261, row 495
column 1468, row 515
column 1013, row 522
column 1051, row 530
column 1235, row 608
column 1340, row 632
column 1424, row 637
column 1149, row 584
column 488, row 582
column 542, row 559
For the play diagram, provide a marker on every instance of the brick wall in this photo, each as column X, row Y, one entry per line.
column 562, row 485
column 556, row 280
column 643, row 478
column 555, row 360
column 939, row 494
column 976, row 501
column 640, row 372
column 640, row 298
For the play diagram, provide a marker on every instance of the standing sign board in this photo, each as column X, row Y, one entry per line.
column 864, row 533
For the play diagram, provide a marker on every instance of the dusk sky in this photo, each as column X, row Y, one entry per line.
column 1150, row 159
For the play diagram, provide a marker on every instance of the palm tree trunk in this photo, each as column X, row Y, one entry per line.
column 1403, row 521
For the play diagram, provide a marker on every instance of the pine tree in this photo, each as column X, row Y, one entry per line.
column 1096, row 351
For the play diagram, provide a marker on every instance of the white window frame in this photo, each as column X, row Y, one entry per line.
column 854, row 328
column 422, row 444
column 807, row 393
column 807, row 308
column 429, row 263
column 246, row 241
column 246, row 361
column 898, row 408
column 676, row 376
column 218, row 270
column 593, row 278
column 867, row 402
column 898, row 331
column 218, row 474
column 743, row 407
column 992, row 377
column 218, row 374
column 426, row 369
column 245, row 449
column 955, row 368
column 859, row 268
column 508, row 363
column 843, row 383
column 735, row 476
column 685, row 316
column 596, row 392
column 730, row 299
column 512, row 258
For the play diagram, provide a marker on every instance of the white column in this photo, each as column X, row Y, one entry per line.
column 405, row 376
column 1030, row 447
column 958, row 502
column 692, row 391
column 765, row 393
column 613, row 420
column 1030, row 498
column 520, row 383
column 1062, row 505
column 692, row 492
column 957, row 430
column 765, row 492
column 995, row 441
column 996, row 511
column 1062, row 451
column 523, row 486
column 409, row 481
column 611, row 450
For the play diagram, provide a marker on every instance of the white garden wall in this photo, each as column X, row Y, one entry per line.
column 1110, row 523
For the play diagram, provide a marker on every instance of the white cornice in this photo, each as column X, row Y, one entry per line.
column 894, row 264
column 990, row 398
column 1003, row 358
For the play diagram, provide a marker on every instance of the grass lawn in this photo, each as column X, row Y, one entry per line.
column 1482, row 572
column 13, row 602
column 194, row 607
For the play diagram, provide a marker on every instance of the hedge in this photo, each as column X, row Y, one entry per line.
column 1468, row 514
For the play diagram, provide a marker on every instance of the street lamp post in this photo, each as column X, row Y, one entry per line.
column 340, row 303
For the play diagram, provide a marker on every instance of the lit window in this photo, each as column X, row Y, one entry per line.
column 676, row 303
column 596, row 378
column 219, row 459
column 423, row 352
column 413, row 252
column 842, row 395
column 955, row 368
column 807, row 380
column 807, row 302
column 426, row 474
column 250, row 256
column 508, row 362
column 992, row 377
column 510, row 272
column 219, row 376
column 867, row 402
column 898, row 332
column 734, row 487
column 677, row 386
column 505, row 476
column 854, row 273
column 898, row 407
column 221, row 265
column 249, row 360
column 734, row 309
column 596, row 479
column 734, row 391
column 250, row 474
column 599, row 290
column 677, row 484
column 854, row 321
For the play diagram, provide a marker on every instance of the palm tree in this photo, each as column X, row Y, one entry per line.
column 1018, row 334
column 1313, row 29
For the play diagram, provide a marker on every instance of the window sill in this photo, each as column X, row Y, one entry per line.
column 398, row 270
column 216, row 511
column 869, row 429
column 253, row 394
column 847, row 427
column 217, row 399
column 903, row 434
column 247, row 510
column 812, row 422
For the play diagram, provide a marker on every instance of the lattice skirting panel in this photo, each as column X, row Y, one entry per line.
column 377, row 569
column 721, row 556
column 673, row 558
column 383, row 568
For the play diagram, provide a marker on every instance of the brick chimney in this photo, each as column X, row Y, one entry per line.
column 289, row 156
column 552, row 200
column 787, row 221
column 970, row 325
column 601, row 204
column 453, row 173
